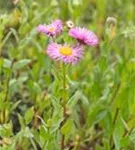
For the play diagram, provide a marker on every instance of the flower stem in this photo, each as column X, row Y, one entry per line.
column 64, row 99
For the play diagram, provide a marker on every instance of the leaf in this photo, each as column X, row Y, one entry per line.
column 27, row 133
column 15, row 105
column 12, row 83
column 101, row 115
column 15, row 34
column 74, row 99
column 1, row 62
column 29, row 115
column 77, row 2
column 21, row 121
column 7, row 63
column 117, row 133
column 125, row 141
column 34, row 87
column 22, row 79
column 6, row 130
column 116, row 137
column 125, row 124
column 67, row 127
column 21, row 63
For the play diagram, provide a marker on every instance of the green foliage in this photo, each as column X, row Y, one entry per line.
column 101, row 87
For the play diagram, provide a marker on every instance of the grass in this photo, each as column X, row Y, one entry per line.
column 101, row 87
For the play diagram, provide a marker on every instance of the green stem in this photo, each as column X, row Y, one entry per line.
column 115, row 93
column 64, row 100
column 64, row 83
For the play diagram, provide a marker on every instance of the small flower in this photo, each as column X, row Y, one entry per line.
column 65, row 53
column 58, row 24
column 84, row 36
column 52, row 29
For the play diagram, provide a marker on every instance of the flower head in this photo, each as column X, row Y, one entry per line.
column 84, row 36
column 65, row 53
column 52, row 29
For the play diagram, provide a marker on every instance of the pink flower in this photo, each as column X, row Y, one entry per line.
column 84, row 36
column 65, row 53
column 52, row 29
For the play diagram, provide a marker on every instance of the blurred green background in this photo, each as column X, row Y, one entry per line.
column 101, row 86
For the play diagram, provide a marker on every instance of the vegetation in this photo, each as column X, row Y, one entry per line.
column 100, row 113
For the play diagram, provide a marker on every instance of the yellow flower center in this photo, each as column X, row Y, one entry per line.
column 67, row 51
column 51, row 29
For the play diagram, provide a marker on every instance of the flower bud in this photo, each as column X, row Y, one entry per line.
column 111, row 27
column 111, row 20
column 15, row 2
column 69, row 24
column 68, row 112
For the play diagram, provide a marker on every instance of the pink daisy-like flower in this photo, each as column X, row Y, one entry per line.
column 65, row 53
column 84, row 36
column 52, row 29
